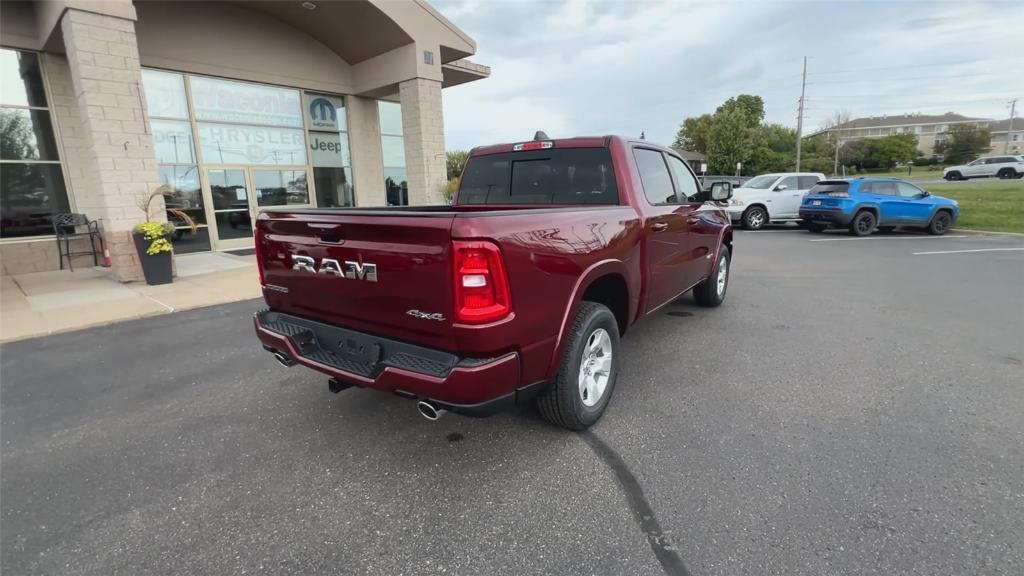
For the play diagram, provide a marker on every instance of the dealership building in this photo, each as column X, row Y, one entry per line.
column 235, row 106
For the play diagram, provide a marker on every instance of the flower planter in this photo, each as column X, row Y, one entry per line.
column 156, row 267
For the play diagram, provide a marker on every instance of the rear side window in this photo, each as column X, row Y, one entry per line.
column 826, row 187
column 654, row 176
column 887, row 188
column 807, row 182
column 553, row 176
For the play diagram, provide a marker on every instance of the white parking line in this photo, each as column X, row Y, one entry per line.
column 967, row 251
column 887, row 238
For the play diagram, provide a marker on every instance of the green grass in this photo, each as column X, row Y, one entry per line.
column 919, row 173
column 996, row 207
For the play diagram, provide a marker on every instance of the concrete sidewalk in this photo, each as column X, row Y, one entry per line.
column 48, row 302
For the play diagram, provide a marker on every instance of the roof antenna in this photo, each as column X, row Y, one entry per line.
column 642, row 136
column 541, row 135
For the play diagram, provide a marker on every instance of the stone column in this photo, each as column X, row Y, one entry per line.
column 423, row 131
column 116, row 155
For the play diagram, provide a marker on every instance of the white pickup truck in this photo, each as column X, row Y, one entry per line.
column 771, row 198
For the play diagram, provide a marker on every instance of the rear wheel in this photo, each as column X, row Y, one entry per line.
column 583, row 385
column 863, row 223
column 1007, row 173
column 711, row 292
column 755, row 218
column 940, row 223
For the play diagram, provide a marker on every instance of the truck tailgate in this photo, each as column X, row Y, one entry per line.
column 389, row 275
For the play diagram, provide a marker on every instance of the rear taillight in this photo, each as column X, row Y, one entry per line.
column 481, row 287
column 259, row 254
column 838, row 194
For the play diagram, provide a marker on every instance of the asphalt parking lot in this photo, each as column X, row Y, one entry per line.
column 855, row 407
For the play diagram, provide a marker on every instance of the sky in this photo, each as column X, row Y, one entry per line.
column 585, row 67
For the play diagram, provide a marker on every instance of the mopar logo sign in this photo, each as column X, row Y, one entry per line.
column 322, row 112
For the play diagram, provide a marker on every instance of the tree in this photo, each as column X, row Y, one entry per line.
column 774, row 146
column 752, row 108
column 891, row 150
column 965, row 143
column 730, row 140
column 835, row 124
column 456, row 161
column 694, row 133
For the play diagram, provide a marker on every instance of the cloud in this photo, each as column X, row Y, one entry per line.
column 594, row 67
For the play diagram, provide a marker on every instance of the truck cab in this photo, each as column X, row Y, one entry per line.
column 771, row 198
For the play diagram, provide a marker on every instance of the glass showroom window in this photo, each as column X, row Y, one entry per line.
column 329, row 150
column 176, row 155
column 392, row 144
column 31, row 182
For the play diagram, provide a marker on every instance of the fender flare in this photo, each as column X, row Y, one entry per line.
column 593, row 272
column 718, row 248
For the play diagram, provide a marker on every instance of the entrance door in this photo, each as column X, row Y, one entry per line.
column 237, row 194
column 232, row 207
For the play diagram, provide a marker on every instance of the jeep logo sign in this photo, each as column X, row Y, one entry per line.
column 330, row 267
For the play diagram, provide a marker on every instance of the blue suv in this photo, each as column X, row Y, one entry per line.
column 865, row 204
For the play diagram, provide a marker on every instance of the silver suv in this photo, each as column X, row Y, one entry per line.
column 1001, row 166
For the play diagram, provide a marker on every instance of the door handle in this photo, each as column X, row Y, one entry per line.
column 659, row 227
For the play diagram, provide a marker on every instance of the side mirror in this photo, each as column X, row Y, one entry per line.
column 925, row 193
column 721, row 191
column 781, row 187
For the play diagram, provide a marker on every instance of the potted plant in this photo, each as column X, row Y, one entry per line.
column 151, row 240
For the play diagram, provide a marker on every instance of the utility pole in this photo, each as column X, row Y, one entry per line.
column 1009, row 132
column 800, row 115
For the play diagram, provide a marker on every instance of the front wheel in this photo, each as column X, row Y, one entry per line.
column 583, row 385
column 755, row 218
column 940, row 223
column 711, row 292
column 953, row 176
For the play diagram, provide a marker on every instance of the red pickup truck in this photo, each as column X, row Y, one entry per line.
column 519, row 290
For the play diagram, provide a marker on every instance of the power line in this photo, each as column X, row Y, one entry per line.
column 938, row 77
column 906, row 66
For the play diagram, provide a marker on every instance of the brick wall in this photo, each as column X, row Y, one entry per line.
column 111, row 144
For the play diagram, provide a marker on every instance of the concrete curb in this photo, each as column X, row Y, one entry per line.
column 986, row 232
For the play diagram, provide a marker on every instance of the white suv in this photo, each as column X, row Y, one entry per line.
column 771, row 198
column 1001, row 166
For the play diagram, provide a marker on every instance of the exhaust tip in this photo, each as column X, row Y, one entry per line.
column 283, row 359
column 429, row 411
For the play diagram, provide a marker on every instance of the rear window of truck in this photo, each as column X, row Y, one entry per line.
column 552, row 176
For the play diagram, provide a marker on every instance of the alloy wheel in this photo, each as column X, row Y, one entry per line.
column 595, row 367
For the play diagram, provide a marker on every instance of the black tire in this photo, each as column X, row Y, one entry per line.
column 863, row 223
column 562, row 403
column 815, row 227
column 941, row 223
column 953, row 176
column 706, row 293
column 754, row 218
column 1007, row 173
